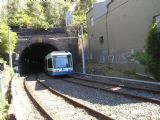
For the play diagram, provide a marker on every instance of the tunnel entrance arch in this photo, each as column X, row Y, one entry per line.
column 31, row 59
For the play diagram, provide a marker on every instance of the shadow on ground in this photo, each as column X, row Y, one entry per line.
column 93, row 96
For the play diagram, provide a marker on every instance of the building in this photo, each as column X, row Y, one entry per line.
column 118, row 29
column 96, row 25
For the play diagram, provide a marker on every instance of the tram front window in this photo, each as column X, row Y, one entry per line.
column 62, row 61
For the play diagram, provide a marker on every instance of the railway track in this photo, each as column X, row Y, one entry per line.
column 150, row 95
column 39, row 108
column 74, row 103
column 117, row 85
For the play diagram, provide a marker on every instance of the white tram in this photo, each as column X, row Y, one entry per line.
column 59, row 63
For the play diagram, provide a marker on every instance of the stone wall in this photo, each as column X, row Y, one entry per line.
column 64, row 39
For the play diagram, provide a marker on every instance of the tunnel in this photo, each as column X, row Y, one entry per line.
column 31, row 59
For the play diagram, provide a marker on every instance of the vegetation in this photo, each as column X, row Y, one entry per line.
column 80, row 12
column 20, row 19
column 35, row 14
column 103, row 69
column 3, row 108
column 4, row 105
column 151, row 57
column 141, row 57
column 45, row 14
column 38, row 15
column 4, row 39
column 153, row 51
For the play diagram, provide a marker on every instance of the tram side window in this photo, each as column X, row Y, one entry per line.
column 50, row 63
column 69, row 61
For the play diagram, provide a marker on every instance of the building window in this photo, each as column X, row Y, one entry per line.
column 91, row 21
column 101, row 40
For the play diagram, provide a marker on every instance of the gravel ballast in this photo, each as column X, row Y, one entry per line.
column 29, row 112
column 143, row 93
column 56, row 106
column 115, row 106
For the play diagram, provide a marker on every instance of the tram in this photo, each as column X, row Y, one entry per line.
column 58, row 63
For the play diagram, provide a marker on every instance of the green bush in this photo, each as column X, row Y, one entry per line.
column 153, row 51
column 141, row 57
column 4, row 39
column 20, row 20
column 151, row 57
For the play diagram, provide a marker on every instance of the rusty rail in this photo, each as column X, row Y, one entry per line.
column 36, row 104
column 156, row 101
column 95, row 113
column 123, row 86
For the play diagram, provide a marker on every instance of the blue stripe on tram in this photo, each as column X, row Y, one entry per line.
column 59, row 73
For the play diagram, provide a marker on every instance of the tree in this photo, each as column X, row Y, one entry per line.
column 50, row 13
column 4, row 39
column 55, row 12
column 35, row 10
column 20, row 20
column 12, row 9
column 80, row 12
column 45, row 14
column 153, row 51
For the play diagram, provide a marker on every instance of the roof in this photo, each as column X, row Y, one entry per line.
column 58, row 53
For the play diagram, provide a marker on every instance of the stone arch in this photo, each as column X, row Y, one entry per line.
column 31, row 59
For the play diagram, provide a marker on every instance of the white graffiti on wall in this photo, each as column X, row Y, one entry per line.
column 120, row 57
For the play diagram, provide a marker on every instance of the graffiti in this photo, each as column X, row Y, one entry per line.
column 102, row 59
column 121, row 57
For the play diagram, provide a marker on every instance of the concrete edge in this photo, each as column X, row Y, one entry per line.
column 16, row 101
column 120, row 78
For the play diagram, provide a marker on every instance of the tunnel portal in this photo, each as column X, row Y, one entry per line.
column 31, row 60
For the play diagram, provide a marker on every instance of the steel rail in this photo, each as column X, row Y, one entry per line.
column 123, row 86
column 39, row 108
column 91, row 111
column 152, row 100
